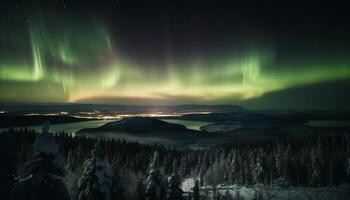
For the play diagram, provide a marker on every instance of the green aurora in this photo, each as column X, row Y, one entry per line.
column 78, row 61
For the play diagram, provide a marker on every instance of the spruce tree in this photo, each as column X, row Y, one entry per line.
column 314, row 169
column 258, row 168
column 195, row 190
column 175, row 192
column 156, row 184
column 39, row 179
column 95, row 183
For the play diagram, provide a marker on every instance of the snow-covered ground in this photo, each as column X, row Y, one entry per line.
column 188, row 184
column 260, row 191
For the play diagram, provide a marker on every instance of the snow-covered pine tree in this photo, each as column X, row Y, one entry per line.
column 201, row 175
column 248, row 170
column 156, row 183
column 258, row 168
column 234, row 167
column 39, row 179
column 279, row 161
column 195, row 190
column 314, row 171
column 174, row 166
column 286, row 163
column 175, row 192
column 183, row 166
column 94, row 182
column 74, row 171
column 70, row 160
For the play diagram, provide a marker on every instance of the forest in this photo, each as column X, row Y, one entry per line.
column 131, row 170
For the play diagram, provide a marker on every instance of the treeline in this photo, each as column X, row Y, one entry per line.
column 317, row 160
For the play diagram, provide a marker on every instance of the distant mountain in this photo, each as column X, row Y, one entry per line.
column 146, row 129
column 234, row 121
column 222, row 117
column 138, row 125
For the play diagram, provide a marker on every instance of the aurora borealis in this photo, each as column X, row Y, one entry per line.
column 154, row 53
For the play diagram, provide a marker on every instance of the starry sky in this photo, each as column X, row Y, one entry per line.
column 258, row 54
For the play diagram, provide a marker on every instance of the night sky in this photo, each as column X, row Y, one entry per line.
column 259, row 54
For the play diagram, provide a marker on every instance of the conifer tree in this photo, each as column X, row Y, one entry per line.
column 258, row 168
column 39, row 178
column 175, row 192
column 195, row 190
column 156, row 184
column 95, row 183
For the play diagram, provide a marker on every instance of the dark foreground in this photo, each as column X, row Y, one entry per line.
column 132, row 170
